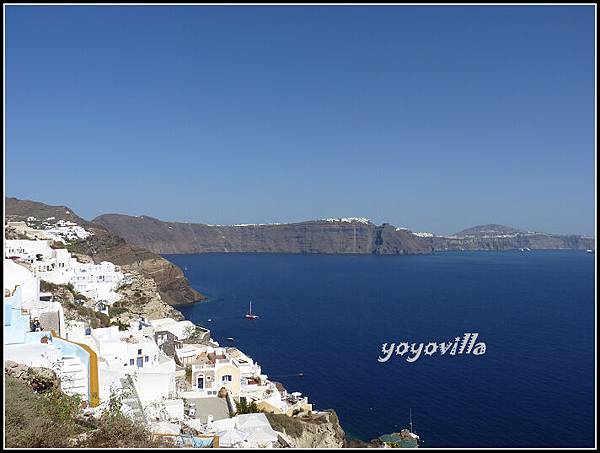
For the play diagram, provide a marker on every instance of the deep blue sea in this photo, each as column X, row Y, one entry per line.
column 326, row 316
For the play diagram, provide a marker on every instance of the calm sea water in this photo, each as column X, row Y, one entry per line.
column 326, row 317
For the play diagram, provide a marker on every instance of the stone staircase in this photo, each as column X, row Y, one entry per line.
column 73, row 376
column 130, row 398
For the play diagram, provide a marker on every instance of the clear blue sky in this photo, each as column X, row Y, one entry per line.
column 432, row 118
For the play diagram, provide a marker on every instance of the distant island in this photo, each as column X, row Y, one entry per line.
column 329, row 236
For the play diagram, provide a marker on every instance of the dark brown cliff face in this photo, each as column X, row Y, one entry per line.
column 107, row 246
column 305, row 237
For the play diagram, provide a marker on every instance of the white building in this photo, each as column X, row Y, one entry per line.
column 48, row 263
column 97, row 281
column 19, row 275
column 125, row 351
column 65, row 231
column 130, row 352
column 181, row 329
column 244, row 431
column 38, row 306
column 68, row 360
column 424, row 234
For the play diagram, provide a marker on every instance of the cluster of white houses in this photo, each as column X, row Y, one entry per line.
column 56, row 265
column 169, row 374
column 50, row 228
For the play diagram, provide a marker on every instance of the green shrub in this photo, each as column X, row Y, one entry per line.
column 243, row 407
column 61, row 406
column 122, row 326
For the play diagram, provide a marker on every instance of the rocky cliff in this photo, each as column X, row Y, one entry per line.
column 323, row 236
column 320, row 236
column 314, row 430
column 105, row 245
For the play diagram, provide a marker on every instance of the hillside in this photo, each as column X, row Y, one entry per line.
column 491, row 229
column 105, row 245
column 39, row 415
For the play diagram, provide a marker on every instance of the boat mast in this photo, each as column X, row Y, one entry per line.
column 411, row 426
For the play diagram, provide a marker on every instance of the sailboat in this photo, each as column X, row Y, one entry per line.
column 249, row 315
column 406, row 438
column 411, row 433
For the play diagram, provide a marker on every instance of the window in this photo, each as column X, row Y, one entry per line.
column 131, row 361
column 227, row 378
column 146, row 359
column 139, row 352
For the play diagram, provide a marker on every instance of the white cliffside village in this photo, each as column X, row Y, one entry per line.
column 169, row 374
column 56, row 265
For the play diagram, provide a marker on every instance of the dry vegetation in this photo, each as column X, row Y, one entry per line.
column 52, row 419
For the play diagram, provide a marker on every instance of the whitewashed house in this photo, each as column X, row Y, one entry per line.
column 98, row 281
column 130, row 352
column 64, row 230
column 68, row 360
column 40, row 307
column 48, row 263
column 181, row 329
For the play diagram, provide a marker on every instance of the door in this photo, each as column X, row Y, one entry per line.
column 140, row 362
column 200, row 382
